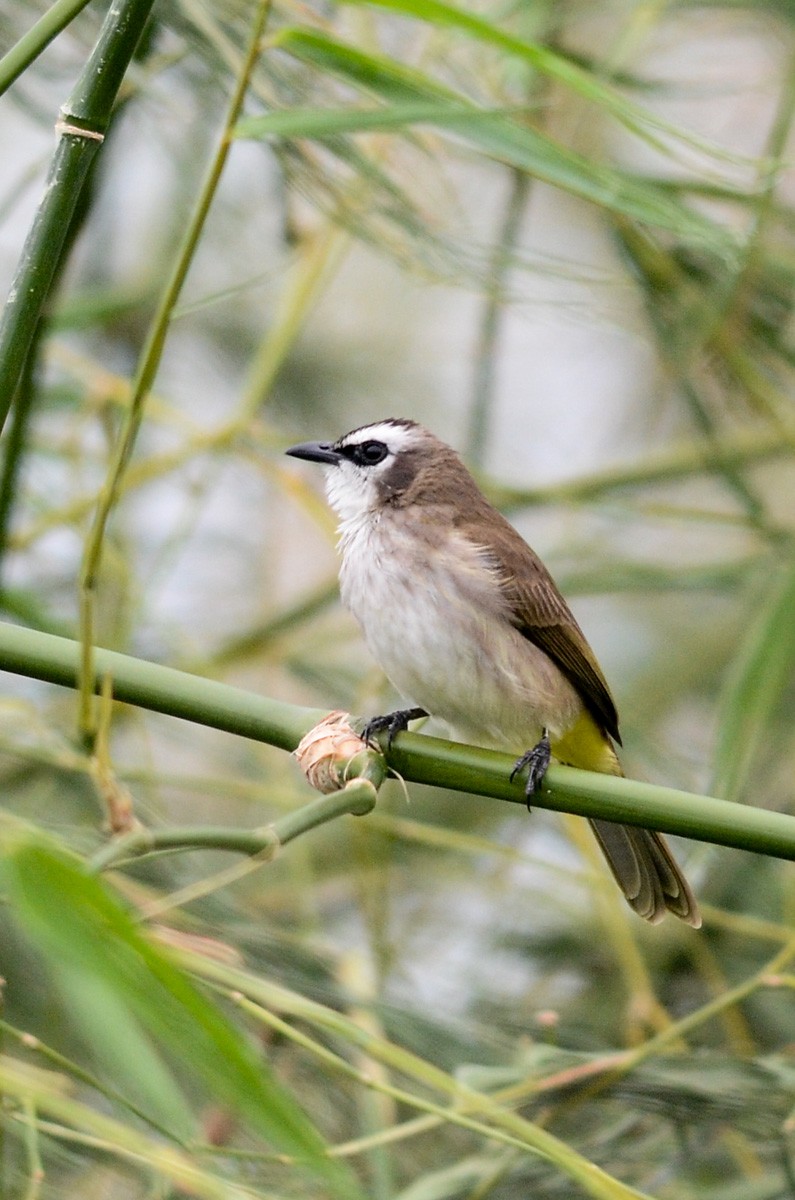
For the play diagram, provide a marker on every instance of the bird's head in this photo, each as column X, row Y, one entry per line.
column 386, row 463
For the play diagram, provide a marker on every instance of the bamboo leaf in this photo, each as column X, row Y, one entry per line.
column 73, row 918
column 329, row 122
column 762, row 670
column 121, row 1045
column 551, row 63
column 375, row 74
column 492, row 132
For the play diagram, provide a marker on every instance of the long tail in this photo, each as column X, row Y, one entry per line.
column 646, row 872
column 640, row 859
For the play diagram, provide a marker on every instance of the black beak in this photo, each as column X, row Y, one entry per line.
column 322, row 452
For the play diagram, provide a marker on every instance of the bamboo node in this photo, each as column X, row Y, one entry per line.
column 64, row 127
column 325, row 751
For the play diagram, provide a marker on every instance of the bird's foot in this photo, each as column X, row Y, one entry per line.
column 537, row 762
column 392, row 724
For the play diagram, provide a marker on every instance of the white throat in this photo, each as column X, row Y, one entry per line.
column 353, row 490
column 352, row 495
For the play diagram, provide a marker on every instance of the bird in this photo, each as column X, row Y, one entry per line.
column 469, row 626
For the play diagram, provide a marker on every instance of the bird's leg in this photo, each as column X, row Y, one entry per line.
column 536, row 761
column 394, row 723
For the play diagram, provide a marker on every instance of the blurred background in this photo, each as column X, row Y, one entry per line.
column 601, row 321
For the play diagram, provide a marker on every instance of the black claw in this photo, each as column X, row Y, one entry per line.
column 392, row 723
column 537, row 762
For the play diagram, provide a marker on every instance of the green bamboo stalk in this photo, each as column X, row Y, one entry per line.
column 16, row 439
column 31, row 44
column 422, row 759
column 416, row 758
column 160, row 689
column 81, row 130
column 148, row 365
column 14, row 447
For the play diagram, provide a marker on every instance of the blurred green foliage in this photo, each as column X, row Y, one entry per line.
column 450, row 999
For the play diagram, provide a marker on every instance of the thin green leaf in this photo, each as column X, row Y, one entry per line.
column 376, row 74
column 762, row 670
column 122, row 1047
column 552, row 64
column 74, row 918
column 328, row 122
column 491, row 132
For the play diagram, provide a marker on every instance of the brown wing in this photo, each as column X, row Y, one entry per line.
column 541, row 615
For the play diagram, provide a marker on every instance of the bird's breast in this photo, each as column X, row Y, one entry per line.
column 434, row 617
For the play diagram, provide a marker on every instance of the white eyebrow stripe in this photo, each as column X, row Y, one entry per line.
column 396, row 437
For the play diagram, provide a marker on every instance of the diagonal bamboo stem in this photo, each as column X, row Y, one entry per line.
column 38, row 37
column 148, row 367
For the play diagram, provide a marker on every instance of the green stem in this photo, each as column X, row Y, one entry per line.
column 40, row 260
column 14, row 447
column 147, row 370
column 31, row 44
column 357, row 799
column 668, row 466
column 17, row 437
column 416, row 758
column 423, row 759
column 485, row 358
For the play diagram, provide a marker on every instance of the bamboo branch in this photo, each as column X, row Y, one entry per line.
column 416, row 758
column 357, row 798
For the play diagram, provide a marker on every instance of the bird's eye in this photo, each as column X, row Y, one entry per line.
column 370, row 453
